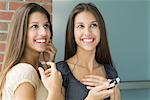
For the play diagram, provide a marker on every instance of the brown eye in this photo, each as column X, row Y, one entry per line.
column 46, row 26
column 34, row 26
column 94, row 25
column 80, row 26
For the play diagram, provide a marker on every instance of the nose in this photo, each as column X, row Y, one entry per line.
column 87, row 31
column 42, row 31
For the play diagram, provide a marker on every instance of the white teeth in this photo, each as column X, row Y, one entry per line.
column 87, row 40
column 42, row 41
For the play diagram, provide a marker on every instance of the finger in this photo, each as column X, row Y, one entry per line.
column 92, row 80
column 48, row 71
column 51, row 51
column 42, row 73
column 89, row 87
column 53, row 66
column 104, row 86
column 51, row 47
column 93, row 84
column 50, row 54
column 95, row 77
column 105, row 93
column 48, row 75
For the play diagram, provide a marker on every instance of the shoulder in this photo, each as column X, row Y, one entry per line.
column 22, row 67
column 63, row 67
column 110, row 71
column 24, row 70
column 21, row 73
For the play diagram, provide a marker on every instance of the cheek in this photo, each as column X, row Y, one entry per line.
column 29, row 37
column 49, row 35
column 76, row 36
column 98, row 36
column 29, row 43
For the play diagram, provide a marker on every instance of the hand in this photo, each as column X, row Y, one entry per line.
column 51, row 78
column 93, row 81
column 49, row 53
column 98, row 87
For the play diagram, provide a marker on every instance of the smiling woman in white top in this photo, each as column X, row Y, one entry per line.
column 21, row 78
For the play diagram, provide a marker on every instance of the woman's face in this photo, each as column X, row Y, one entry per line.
column 38, row 32
column 86, row 31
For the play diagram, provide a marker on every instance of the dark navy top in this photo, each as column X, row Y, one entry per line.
column 74, row 89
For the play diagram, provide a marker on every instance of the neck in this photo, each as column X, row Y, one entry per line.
column 86, row 59
column 31, row 58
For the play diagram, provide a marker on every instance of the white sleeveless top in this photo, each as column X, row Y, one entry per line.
column 19, row 74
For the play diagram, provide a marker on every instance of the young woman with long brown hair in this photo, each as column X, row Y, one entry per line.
column 21, row 78
column 88, row 68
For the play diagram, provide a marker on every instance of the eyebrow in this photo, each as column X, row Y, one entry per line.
column 38, row 22
column 33, row 22
column 79, row 23
column 94, row 21
column 82, row 22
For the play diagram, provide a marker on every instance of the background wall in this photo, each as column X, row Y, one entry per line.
column 128, row 28
column 7, row 8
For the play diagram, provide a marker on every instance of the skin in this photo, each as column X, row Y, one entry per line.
column 38, row 40
column 86, row 32
column 87, row 70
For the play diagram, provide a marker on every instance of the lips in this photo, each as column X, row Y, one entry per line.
column 41, row 41
column 87, row 40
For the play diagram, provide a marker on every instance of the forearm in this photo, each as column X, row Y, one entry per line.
column 116, row 94
column 55, row 96
column 61, row 97
column 87, row 98
column 114, row 98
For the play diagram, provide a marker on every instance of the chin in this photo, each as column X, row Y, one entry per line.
column 41, row 50
column 89, row 49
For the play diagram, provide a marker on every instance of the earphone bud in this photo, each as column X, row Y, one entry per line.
column 113, row 82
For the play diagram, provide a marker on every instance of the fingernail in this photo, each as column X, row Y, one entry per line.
column 39, row 68
column 87, row 87
column 109, row 80
column 107, row 84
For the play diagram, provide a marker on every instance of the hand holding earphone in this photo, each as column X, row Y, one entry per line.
column 113, row 82
column 99, row 87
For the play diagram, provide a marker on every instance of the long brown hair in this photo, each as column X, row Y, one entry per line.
column 102, row 55
column 18, row 36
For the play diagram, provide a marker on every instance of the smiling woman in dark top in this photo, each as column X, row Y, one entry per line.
column 88, row 66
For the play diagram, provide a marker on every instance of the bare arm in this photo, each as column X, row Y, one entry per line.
column 56, row 96
column 25, row 92
column 116, row 93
